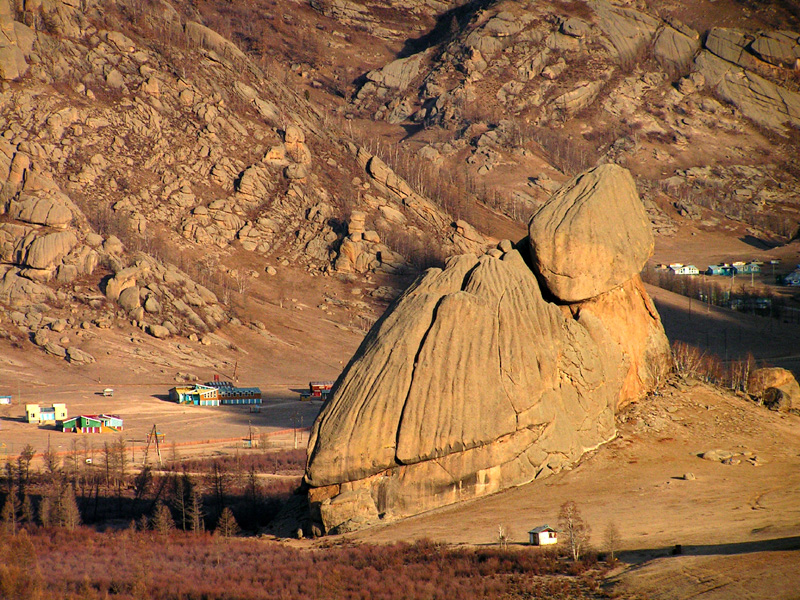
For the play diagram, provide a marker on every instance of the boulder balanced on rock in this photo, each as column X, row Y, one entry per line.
column 476, row 380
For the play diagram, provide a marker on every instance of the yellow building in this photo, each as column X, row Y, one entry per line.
column 45, row 414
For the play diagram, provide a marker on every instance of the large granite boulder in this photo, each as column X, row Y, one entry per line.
column 777, row 388
column 592, row 235
column 731, row 63
column 627, row 29
column 781, row 48
column 761, row 100
column 474, row 381
column 674, row 49
column 45, row 251
column 52, row 210
column 202, row 36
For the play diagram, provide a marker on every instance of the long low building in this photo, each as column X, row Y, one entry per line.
column 230, row 394
column 215, row 393
column 92, row 424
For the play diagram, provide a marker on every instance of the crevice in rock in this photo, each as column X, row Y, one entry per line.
column 413, row 373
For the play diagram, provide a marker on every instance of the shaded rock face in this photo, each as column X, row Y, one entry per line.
column 474, row 382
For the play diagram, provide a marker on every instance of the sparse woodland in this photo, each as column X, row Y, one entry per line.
column 244, row 492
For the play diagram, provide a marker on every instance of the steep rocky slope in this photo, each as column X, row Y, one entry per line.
column 518, row 95
column 151, row 170
column 477, row 380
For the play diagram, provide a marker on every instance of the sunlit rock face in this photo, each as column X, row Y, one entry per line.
column 496, row 370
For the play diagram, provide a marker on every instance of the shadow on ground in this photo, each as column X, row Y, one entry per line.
column 639, row 556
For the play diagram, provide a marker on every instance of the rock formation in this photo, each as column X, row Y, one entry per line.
column 777, row 388
column 475, row 380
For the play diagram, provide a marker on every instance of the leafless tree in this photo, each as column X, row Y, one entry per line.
column 611, row 538
column 576, row 529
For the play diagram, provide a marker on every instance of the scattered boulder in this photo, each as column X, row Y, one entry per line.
column 674, row 49
column 49, row 211
column 717, row 455
column 77, row 356
column 44, row 251
column 158, row 331
column 129, row 298
column 627, row 29
column 780, row 48
column 397, row 74
column 204, row 37
column 777, row 388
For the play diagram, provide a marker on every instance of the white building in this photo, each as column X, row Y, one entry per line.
column 679, row 269
column 543, row 536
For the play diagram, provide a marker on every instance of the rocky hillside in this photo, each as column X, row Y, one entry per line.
column 151, row 170
column 701, row 101
column 158, row 157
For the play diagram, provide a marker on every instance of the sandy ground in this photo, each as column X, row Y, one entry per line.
column 299, row 343
column 741, row 518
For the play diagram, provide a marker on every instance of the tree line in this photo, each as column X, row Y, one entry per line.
column 225, row 495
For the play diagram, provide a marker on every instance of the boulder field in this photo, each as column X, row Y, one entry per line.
column 495, row 370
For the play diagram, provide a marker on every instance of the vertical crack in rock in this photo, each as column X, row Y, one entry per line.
column 414, row 368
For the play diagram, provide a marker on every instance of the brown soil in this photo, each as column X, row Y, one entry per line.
column 734, row 522
column 300, row 343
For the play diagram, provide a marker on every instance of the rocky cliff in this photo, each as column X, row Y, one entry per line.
column 491, row 372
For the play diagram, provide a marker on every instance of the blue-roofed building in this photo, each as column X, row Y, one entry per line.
column 751, row 267
column 724, row 270
column 792, row 278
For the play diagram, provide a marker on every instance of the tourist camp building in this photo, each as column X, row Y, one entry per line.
column 681, row 269
column 229, row 394
column 320, row 389
column 543, row 536
column 751, row 267
column 45, row 414
column 725, row 270
column 92, row 424
column 197, row 394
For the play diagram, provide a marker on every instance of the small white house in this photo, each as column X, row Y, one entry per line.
column 543, row 536
column 679, row 269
